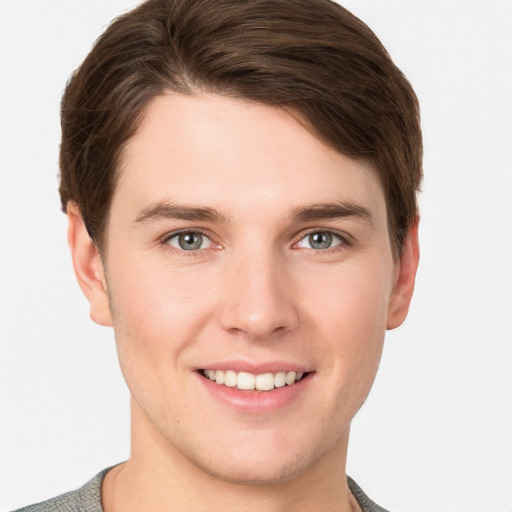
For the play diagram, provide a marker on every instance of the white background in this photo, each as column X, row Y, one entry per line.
column 436, row 432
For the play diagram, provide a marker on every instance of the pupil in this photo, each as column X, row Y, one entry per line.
column 190, row 241
column 320, row 240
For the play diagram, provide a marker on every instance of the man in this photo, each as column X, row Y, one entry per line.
column 240, row 181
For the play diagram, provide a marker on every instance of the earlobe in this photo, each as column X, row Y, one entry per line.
column 404, row 279
column 88, row 267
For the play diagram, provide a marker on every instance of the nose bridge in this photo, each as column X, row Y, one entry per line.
column 259, row 298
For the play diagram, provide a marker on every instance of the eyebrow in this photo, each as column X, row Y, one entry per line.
column 165, row 210
column 308, row 213
column 326, row 211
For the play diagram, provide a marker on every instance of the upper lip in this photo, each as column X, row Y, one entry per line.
column 256, row 368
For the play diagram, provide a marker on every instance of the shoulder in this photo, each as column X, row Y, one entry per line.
column 366, row 504
column 85, row 499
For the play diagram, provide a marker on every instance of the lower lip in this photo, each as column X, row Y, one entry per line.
column 257, row 402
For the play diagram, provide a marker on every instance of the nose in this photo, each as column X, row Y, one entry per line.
column 259, row 299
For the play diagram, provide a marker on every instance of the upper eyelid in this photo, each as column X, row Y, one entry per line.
column 339, row 239
column 176, row 232
column 164, row 242
column 344, row 236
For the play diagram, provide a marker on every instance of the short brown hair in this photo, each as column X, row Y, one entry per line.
column 311, row 57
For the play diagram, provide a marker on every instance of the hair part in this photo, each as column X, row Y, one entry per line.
column 311, row 57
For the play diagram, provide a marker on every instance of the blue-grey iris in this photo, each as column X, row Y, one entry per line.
column 320, row 240
column 190, row 241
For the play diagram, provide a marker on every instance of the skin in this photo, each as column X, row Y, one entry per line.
column 256, row 292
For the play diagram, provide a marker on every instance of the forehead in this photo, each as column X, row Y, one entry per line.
column 238, row 156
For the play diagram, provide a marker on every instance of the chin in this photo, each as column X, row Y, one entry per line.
column 250, row 472
column 261, row 459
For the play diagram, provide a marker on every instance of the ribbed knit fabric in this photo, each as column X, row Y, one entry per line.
column 88, row 499
column 85, row 499
column 366, row 504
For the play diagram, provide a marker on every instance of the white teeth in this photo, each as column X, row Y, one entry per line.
column 265, row 381
column 230, row 378
column 219, row 377
column 249, row 381
column 279, row 379
column 245, row 381
column 290, row 378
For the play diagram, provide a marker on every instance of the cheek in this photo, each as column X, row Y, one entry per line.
column 159, row 314
column 156, row 317
column 156, row 312
column 352, row 302
column 350, row 315
column 153, row 296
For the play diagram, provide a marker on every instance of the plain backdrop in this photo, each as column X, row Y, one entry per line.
column 436, row 432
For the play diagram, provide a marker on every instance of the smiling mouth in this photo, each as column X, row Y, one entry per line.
column 245, row 381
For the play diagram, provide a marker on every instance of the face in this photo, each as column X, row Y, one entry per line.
column 250, row 281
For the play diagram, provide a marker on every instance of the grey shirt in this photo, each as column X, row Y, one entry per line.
column 88, row 499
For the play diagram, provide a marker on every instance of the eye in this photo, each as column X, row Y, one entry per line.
column 320, row 240
column 189, row 241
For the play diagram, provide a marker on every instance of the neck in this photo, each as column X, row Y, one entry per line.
column 159, row 478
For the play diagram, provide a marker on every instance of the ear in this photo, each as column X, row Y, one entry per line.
column 88, row 267
column 404, row 279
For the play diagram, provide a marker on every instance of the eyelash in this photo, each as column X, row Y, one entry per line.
column 343, row 241
column 164, row 241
